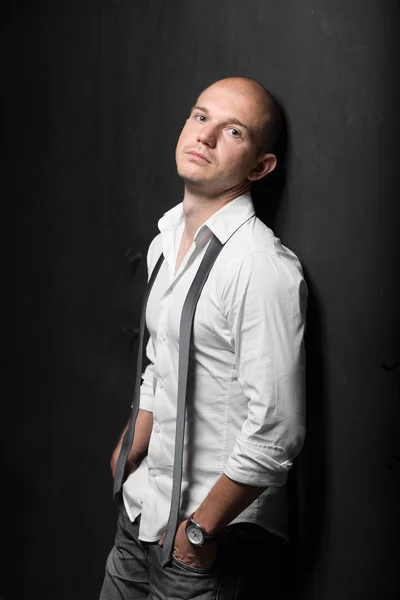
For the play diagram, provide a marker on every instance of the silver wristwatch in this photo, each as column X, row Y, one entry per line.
column 196, row 534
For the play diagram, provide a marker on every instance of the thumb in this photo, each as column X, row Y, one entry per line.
column 161, row 542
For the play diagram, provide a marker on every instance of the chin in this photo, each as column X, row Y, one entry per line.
column 194, row 182
column 191, row 176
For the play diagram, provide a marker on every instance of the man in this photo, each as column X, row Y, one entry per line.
column 245, row 404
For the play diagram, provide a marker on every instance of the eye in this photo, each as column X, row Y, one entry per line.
column 200, row 118
column 234, row 132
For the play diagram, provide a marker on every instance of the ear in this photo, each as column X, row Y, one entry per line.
column 266, row 163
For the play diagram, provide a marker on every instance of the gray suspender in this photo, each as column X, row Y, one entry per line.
column 128, row 437
column 185, row 334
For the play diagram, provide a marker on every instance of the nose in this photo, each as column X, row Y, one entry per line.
column 207, row 135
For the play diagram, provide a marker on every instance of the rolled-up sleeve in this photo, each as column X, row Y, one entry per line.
column 147, row 386
column 264, row 304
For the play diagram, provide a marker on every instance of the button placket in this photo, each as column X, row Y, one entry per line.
column 162, row 336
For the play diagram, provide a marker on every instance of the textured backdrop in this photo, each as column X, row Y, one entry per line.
column 95, row 95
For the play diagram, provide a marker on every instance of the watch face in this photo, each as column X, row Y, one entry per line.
column 194, row 535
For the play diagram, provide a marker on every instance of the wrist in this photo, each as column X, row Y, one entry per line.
column 204, row 523
column 197, row 535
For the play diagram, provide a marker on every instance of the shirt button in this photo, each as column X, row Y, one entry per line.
column 158, row 429
column 163, row 337
column 161, row 383
column 141, row 501
column 154, row 472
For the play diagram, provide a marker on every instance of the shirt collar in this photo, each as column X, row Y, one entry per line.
column 222, row 223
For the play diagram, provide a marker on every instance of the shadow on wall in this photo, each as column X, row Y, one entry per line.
column 307, row 479
column 308, row 482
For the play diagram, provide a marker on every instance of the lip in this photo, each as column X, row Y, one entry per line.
column 198, row 155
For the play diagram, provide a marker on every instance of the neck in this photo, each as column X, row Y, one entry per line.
column 198, row 207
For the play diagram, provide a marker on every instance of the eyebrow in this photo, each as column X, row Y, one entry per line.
column 232, row 120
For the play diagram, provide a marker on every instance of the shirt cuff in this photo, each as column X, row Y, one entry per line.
column 146, row 402
column 258, row 465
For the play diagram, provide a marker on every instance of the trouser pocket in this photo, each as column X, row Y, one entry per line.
column 200, row 570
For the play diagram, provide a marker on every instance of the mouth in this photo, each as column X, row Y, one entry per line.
column 198, row 155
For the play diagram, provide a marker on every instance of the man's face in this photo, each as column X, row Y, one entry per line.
column 218, row 146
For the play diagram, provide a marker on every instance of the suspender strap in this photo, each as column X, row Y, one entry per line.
column 128, row 437
column 185, row 334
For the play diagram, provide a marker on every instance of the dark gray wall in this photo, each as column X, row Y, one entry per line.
column 95, row 95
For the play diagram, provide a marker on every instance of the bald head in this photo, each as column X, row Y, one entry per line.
column 265, row 105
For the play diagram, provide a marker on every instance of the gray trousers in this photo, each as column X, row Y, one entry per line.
column 248, row 567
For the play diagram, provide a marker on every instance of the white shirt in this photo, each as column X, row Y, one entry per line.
column 245, row 407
